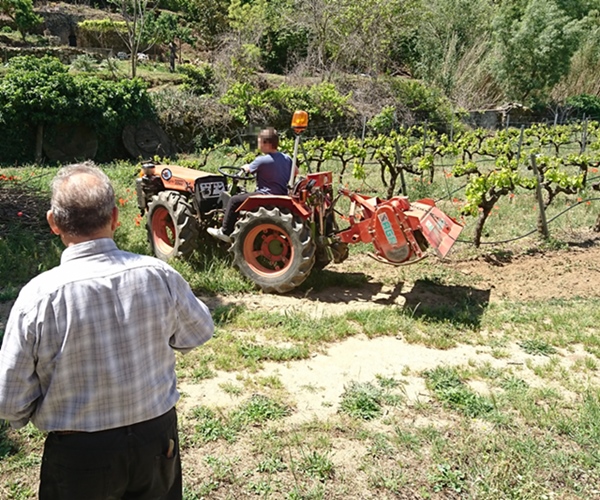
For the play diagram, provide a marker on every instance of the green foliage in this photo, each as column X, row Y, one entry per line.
column 208, row 17
column 22, row 13
column 534, row 48
column 444, row 32
column 199, row 80
column 584, row 105
column 447, row 385
column 427, row 103
column 40, row 91
column 193, row 121
column 385, row 121
column 362, row 400
column 283, row 48
column 324, row 104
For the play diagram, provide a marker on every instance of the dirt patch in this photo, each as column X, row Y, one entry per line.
column 491, row 277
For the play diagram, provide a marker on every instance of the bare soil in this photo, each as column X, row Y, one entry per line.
column 507, row 275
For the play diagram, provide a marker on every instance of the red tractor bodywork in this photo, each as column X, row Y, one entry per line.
column 399, row 230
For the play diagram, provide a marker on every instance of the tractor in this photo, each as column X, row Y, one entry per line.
column 279, row 240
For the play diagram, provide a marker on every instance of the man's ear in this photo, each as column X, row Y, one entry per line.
column 114, row 219
column 51, row 222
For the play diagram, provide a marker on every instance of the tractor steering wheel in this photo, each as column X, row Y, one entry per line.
column 236, row 173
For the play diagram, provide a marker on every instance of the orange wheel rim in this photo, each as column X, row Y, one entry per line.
column 163, row 230
column 268, row 250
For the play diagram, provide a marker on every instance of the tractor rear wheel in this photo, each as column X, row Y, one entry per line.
column 172, row 227
column 273, row 249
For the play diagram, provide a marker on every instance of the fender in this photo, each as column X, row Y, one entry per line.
column 263, row 200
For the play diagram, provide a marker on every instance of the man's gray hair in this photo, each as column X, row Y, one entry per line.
column 82, row 199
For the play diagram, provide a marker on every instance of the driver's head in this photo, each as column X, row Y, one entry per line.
column 268, row 140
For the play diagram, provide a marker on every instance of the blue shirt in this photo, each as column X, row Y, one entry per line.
column 273, row 172
column 89, row 345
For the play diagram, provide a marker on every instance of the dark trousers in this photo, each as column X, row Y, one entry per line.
column 231, row 211
column 118, row 464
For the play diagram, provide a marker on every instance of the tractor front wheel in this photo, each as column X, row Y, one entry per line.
column 172, row 227
column 273, row 249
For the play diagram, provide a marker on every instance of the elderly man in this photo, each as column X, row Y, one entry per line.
column 88, row 355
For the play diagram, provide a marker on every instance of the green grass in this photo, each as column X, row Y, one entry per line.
column 448, row 387
column 532, row 432
column 363, row 401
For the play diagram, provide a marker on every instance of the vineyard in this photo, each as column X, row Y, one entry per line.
column 473, row 173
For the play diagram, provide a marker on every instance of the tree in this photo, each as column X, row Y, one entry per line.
column 169, row 29
column 21, row 13
column 350, row 35
column 448, row 31
column 138, row 16
column 208, row 18
column 533, row 50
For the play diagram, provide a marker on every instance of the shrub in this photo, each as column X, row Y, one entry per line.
column 426, row 103
column 192, row 121
column 199, row 80
column 40, row 92
column 326, row 106
column 584, row 104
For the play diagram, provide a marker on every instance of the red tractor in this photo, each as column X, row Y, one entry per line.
column 279, row 240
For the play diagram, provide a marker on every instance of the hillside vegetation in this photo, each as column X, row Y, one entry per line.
column 217, row 70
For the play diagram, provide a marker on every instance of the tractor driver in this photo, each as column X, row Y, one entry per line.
column 272, row 169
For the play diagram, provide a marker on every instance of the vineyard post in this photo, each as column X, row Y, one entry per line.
column 402, row 181
column 364, row 129
column 520, row 144
column 584, row 134
column 542, row 223
column 550, row 142
column 362, row 140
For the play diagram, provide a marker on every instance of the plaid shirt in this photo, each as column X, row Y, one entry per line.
column 89, row 344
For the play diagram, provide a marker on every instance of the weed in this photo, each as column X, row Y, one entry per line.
column 231, row 389
column 201, row 373
column 387, row 382
column 514, row 384
column 222, row 468
column 311, row 388
column 362, row 400
column 392, row 481
column 449, row 477
column 258, row 409
column 317, row 465
column 271, row 353
column 449, row 388
column 17, row 490
column 271, row 382
column 7, row 446
column 537, row 347
column 271, row 465
column 381, row 447
column 209, row 427
column 260, row 487
column 406, row 439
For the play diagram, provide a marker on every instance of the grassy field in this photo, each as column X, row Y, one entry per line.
column 500, row 400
